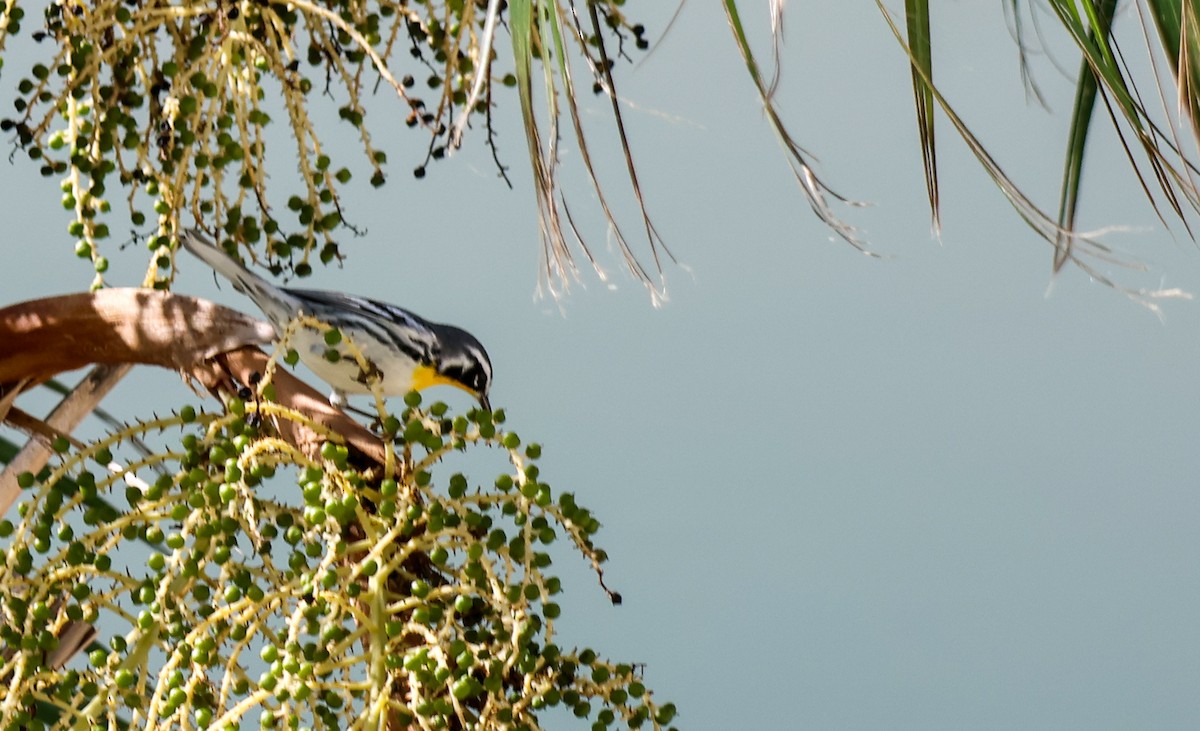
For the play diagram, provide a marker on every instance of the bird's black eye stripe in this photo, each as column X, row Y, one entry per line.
column 484, row 363
column 468, row 370
column 453, row 371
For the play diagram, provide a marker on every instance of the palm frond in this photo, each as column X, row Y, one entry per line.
column 1090, row 26
column 917, row 14
column 815, row 189
column 1086, row 87
column 542, row 29
column 1045, row 226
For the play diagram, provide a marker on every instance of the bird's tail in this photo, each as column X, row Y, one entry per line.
column 273, row 301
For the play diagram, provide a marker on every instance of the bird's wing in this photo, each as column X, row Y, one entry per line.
column 406, row 331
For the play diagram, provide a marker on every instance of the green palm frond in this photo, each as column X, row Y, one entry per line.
column 1104, row 71
column 917, row 12
column 1161, row 154
column 1025, row 207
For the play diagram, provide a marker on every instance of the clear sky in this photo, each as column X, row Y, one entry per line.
column 940, row 490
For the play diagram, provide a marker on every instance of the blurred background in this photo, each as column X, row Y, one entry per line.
column 941, row 489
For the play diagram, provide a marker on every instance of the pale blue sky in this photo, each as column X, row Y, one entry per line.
column 838, row 493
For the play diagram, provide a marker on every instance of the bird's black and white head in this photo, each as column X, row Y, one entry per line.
column 461, row 361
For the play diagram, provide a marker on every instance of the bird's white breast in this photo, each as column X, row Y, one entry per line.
column 346, row 375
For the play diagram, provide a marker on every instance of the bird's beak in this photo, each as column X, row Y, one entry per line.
column 483, row 402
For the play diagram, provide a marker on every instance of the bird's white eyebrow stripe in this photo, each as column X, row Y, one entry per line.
column 483, row 360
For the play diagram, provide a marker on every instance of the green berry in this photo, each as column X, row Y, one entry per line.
column 665, row 714
column 466, row 687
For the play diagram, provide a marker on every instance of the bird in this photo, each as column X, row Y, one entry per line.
column 404, row 351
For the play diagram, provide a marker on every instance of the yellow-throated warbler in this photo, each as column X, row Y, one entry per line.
column 404, row 351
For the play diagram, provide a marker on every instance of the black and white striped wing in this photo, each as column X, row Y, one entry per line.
column 405, row 331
